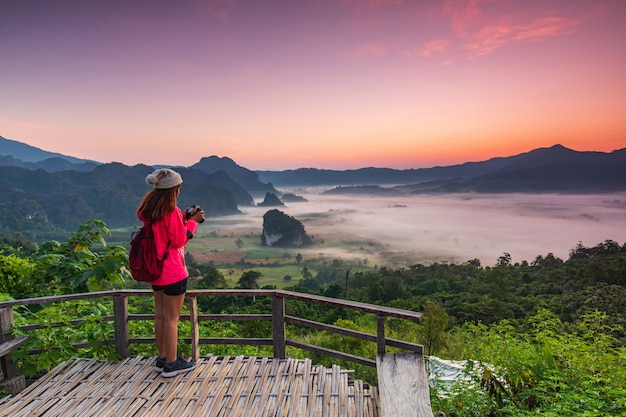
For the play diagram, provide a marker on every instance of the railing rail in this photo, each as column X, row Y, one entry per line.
column 278, row 318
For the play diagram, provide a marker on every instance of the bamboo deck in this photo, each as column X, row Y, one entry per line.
column 217, row 387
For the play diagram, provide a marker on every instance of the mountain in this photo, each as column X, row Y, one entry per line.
column 554, row 169
column 242, row 176
column 379, row 176
column 223, row 180
column 282, row 230
column 39, row 202
column 17, row 154
column 13, row 153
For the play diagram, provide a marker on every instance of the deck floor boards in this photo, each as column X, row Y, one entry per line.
column 233, row 386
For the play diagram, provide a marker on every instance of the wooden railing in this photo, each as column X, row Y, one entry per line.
column 278, row 318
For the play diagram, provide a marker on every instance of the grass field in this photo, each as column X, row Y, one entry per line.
column 234, row 252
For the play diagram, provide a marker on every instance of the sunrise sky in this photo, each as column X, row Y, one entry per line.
column 338, row 84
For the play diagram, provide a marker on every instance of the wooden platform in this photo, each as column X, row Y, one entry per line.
column 217, row 386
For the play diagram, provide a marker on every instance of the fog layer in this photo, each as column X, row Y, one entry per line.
column 456, row 227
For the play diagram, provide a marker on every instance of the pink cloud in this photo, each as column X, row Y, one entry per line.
column 490, row 38
column 488, row 30
column 462, row 13
column 547, row 26
column 371, row 49
column 437, row 46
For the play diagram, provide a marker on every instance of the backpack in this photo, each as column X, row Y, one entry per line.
column 145, row 264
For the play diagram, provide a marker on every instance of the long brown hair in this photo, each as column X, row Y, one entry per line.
column 158, row 203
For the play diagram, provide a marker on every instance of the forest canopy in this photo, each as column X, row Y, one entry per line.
column 554, row 327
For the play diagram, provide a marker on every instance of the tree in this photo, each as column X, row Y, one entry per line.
column 209, row 277
column 85, row 263
column 306, row 273
column 504, row 260
column 249, row 280
column 17, row 243
column 433, row 329
column 13, row 271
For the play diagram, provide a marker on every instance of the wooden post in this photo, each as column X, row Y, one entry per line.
column 12, row 381
column 380, row 335
column 278, row 327
column 403, row 385
column 120, row 314
column 195, row 329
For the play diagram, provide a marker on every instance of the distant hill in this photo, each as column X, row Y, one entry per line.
column 380, row 176
column 243, row 176
column 554, row 169
column 13, row 153
column 240, row 181
column 39, row 202
column 365, row 190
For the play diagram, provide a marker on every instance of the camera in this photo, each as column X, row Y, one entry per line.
column 190, row 211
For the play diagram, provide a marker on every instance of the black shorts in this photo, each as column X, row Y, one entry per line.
column 176, row 288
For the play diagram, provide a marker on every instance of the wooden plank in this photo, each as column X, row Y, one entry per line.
column 331, row 352
column 282, row 381
column 237, row 383
column 403, row 385
column 195, row 329
column 333, row 302
column 295, row 392
column 217, row 386
column 358, row 399
column 206, row 386
column 8, row 346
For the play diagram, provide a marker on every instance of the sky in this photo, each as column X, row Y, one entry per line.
column 329, row 84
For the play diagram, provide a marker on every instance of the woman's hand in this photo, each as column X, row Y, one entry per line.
column 198, row 216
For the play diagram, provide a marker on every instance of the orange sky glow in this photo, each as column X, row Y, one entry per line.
column 336, row 84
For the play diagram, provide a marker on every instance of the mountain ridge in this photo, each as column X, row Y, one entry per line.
column 554, row 168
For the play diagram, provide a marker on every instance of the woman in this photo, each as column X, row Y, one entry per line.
column 171, row 232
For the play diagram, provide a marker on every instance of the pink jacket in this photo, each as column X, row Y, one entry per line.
column 172, row 228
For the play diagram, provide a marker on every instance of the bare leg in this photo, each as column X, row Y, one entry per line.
column 172, row 306
column 159, row 322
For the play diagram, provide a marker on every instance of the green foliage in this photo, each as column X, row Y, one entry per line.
column 85, row 263
column 545, row 338
column 23, row 216
column 470, row 293
column 552, row 370
column 55, row 340
column 346, row 344
column 51, row 203
column 433, row 329
column 13, row 277
column 17, row 243
column 205, row 276
column 249, row 280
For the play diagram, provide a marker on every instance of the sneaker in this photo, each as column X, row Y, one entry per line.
column 160, row 364
column 177, row 367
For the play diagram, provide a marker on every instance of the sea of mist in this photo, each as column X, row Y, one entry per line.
column 449, row 228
